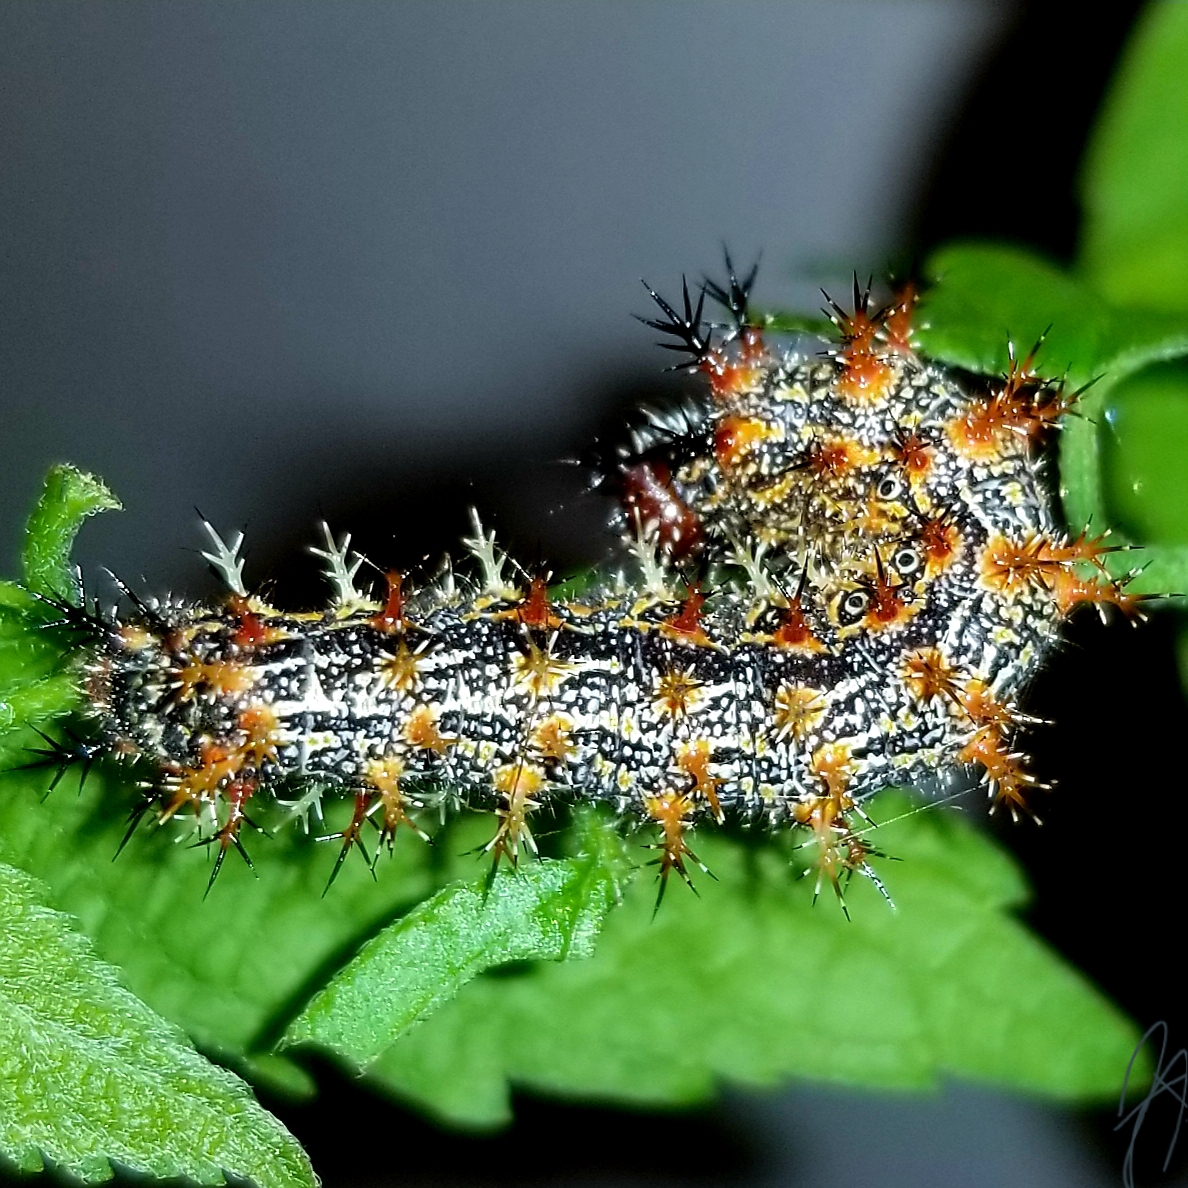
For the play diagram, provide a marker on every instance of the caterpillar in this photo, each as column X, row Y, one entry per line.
column 842, row 570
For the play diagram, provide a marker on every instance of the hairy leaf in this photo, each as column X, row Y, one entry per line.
column 1135, row 235
column 69, row 497
column 233, row 966
column 90, row 1076
column 551, row 910
column 751, row 983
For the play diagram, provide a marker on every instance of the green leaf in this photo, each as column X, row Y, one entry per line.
column 88, row 1074
column 1135, row 234
column 750, row 983
column 983, row 296
column 33, row 686
column 230, row 968
column 551, row 910
column 1146, row 442
column 69, row 497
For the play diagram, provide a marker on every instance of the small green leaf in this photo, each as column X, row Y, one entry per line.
column 551, row 910
column 750, row 983
column 1135, row 235
column 69, row 497
column 88, row 1074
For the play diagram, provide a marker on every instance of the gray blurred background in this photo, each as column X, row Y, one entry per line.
column 375, row 261
column 276, row 260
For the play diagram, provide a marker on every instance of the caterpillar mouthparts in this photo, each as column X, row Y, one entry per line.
column 845, row 569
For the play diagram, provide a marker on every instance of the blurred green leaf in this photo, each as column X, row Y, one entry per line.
column 550, row 910
column 1135, row 184
column 1146, row 440
column 69, row 497
column 751, row 983
column 90, row 1075
column 780, row 321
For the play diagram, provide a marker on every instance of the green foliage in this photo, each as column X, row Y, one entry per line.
column 985, row 296
column 448, row 992
column 1120, row 313
column 549, row 911
column 69, row 497
column 229, row 968
column 1135, row 186
column 749, row 983
column 90, row 1075
column 1145, row 447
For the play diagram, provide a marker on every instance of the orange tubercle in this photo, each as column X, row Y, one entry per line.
column 385, row 776
column 685, row 625
column 694, row 760
column 1070, row 591
column 983, row 708
column 928, row 675
column 677, row 693
column 259, row 724
column 401, row 671
column 196, row 785
column 832, row 764
column 865, row 378
column 736, row 436
column 1011, row 567
column 551, row 738
column 534, row 610
column 421, row 731
column 391, row 618
column 221, row 678
column 940, row 540
column 795, row 632
column 1008, row 780
column 914, row 454
column 671, row 811
column 516, row 783
column 889, row 607
column 897, row 321
column 798, row 710
column 252, row 631
column 832, row 458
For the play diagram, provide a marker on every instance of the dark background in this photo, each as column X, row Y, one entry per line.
column 374, row 262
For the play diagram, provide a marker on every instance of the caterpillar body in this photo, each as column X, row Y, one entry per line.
column 845, row 568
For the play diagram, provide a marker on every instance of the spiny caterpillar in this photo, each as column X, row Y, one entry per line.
column 849, row 566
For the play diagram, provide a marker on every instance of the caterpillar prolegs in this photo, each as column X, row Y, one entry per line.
column 843, row 569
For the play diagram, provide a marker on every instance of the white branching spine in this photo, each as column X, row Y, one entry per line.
column 341, row 568
column 644, row 546
column 226, row 561
column 482, row 547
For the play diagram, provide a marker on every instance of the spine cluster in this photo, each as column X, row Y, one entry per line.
column 846, row 567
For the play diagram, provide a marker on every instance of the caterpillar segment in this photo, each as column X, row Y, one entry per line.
column 841, row 571
column 912, row 500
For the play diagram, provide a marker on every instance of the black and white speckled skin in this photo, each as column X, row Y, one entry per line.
column 628, row 694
